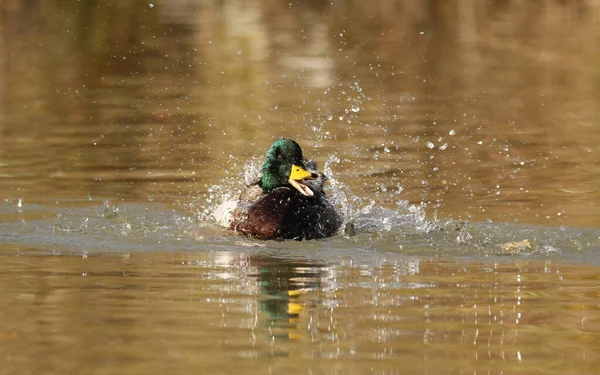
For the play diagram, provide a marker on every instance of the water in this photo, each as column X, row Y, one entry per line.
column 460, row 140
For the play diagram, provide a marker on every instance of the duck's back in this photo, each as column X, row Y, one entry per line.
column 284, row 214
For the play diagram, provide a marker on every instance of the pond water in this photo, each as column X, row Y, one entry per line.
column 460, row 139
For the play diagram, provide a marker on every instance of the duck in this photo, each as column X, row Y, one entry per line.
column 286, row 202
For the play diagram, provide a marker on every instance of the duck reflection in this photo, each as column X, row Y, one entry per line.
column 285, row 286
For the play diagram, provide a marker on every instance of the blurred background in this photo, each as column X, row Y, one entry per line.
column 481, row 110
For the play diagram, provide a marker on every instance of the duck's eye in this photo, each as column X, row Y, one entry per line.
column 279, row 157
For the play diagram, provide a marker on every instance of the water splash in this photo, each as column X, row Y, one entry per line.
column 361, row 216
column 226, row 190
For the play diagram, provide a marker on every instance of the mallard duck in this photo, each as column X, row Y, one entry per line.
column 287, row 201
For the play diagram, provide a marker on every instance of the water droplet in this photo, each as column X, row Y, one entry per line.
column 479, row 142
column 452, row 132
column 151, row 5
column 330, row 117
column 416, row 139
column 444, row 146
column 429, row 144
column 355, row 109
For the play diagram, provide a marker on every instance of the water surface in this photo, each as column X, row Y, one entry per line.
column 460, row 140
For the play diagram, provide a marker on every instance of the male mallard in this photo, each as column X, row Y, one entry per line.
column 288, row 201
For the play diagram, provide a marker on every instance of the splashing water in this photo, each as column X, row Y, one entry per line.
column 360, row 216
column 404, row 228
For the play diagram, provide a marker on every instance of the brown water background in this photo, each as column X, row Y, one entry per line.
column 447, row 127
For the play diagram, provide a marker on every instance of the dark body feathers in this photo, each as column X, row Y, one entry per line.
column 283, row 213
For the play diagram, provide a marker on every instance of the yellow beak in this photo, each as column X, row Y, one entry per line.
column 299, row 173
column 296, row 176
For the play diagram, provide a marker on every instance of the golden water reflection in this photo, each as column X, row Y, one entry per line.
column 148, row 312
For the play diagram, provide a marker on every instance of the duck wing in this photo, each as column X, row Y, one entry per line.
column 266, row 217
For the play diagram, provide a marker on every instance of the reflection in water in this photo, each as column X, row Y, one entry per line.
column 148, row 312
column 284, row 284
column 436, row 310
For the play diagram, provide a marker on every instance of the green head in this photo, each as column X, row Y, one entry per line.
column 284, row 167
